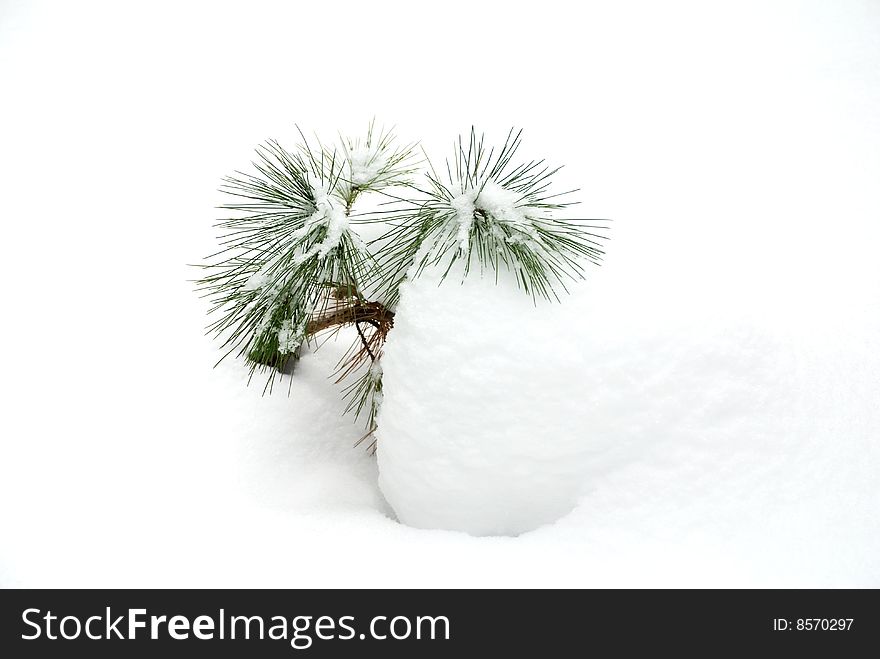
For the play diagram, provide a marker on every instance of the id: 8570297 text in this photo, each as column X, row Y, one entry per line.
column 812, row 624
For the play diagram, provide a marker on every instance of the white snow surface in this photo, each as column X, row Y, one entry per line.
column 729, row 347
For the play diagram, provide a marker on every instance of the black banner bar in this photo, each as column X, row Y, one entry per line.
column 290, row 623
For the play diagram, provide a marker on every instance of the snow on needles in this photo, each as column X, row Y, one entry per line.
column 290, row 336
column 367, row 164
column 498, row 204
column 464, row 206
column 326, row 213
column 273, row 275
column 266, row 275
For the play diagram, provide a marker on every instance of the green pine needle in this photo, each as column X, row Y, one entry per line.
column 458, row 219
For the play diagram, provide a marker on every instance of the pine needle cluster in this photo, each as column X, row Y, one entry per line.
column 292, row 264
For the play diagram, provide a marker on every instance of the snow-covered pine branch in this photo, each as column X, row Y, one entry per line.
column 293, row 264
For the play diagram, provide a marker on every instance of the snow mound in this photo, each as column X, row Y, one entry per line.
column 500, row 414
column 476, row 430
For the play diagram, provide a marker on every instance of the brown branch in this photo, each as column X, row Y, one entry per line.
column 357, row 326
column 374, row 313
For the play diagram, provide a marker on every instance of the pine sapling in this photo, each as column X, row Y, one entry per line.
column 292, row 264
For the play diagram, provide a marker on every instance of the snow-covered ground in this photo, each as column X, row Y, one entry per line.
column 732, row 338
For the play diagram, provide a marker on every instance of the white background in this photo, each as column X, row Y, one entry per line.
column 736, row 145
